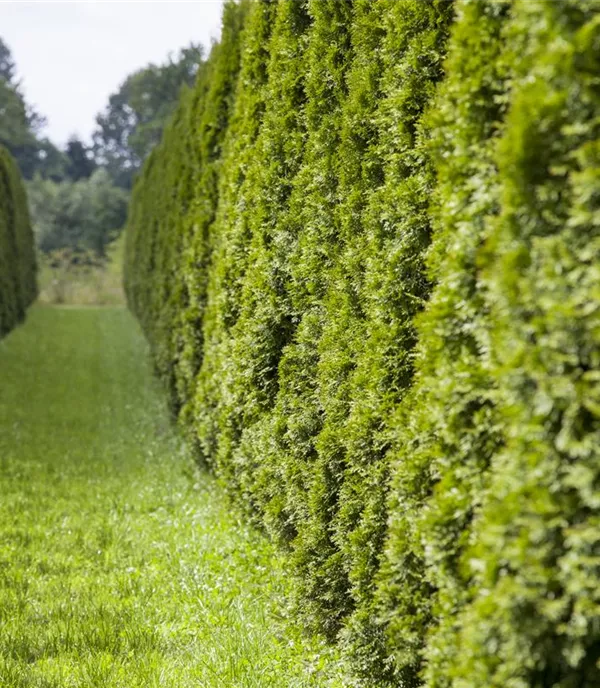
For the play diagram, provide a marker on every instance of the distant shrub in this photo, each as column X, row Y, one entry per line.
column 365, row 258
column 81, row 277
column 18, row 287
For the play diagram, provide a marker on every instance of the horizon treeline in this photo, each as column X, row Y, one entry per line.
column 18, row 285
column 126, row 129
column 365, row 257
column 79, row 194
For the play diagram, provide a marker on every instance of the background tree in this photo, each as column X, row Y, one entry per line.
column 78, row 196
column 8, row 67
column 80, row 159
column 84, row 216
column 21, row 126
column 136, row 114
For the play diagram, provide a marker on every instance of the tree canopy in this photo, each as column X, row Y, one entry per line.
column 136, row 114
column 78, row 195
column 85, row 214
column 21, row 126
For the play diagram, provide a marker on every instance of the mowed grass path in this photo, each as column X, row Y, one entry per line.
column 121, row 564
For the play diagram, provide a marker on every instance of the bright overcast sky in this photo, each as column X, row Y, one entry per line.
column 72, row 55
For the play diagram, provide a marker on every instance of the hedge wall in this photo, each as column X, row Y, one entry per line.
column 364, row 256
column 18, row 288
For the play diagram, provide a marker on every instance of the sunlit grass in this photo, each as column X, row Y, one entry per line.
column 121, row 564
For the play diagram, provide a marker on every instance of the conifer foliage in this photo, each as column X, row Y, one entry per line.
column 18, row 287
column 365, row 257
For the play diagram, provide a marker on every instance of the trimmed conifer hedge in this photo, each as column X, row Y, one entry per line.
column 18, row 286
column 365, row 257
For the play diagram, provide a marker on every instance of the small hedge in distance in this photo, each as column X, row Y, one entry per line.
column 364, row 257
column 18, row 286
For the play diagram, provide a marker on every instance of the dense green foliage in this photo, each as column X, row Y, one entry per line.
column 364, row 256
column 18, row 286
column 82, row 215
column 80, row 160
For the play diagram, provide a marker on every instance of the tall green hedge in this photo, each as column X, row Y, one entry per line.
column 18, row 287
column 364, row 256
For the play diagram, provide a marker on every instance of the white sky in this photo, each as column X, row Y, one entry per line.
column 72, row 55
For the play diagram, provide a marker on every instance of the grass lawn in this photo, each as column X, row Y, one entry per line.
column 121, row 564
